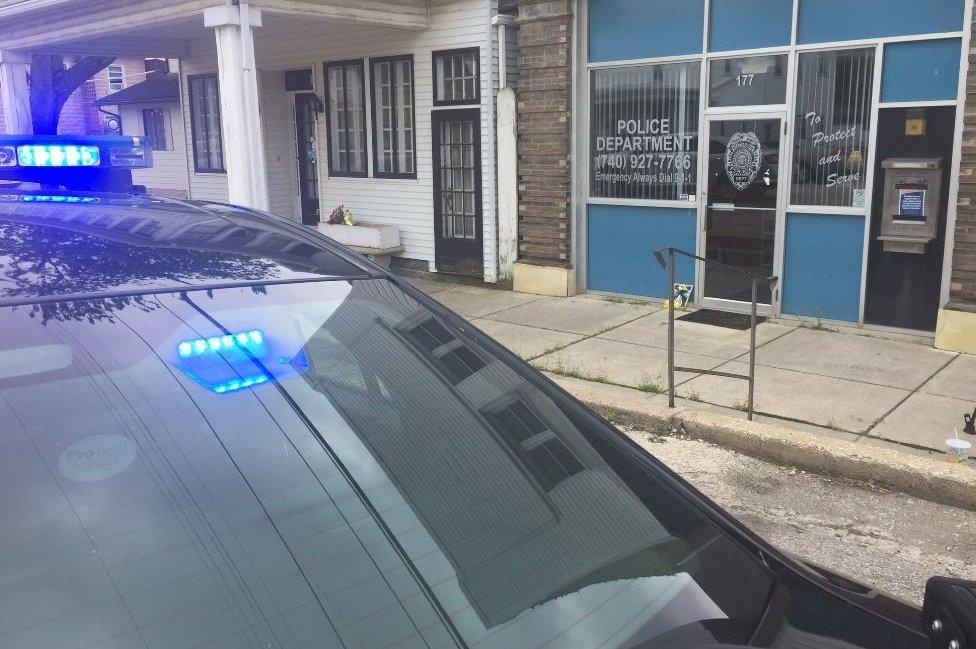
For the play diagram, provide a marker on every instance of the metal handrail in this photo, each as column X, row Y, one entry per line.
column 756, row 278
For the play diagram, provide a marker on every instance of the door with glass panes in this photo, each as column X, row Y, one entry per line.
column 306, row 157
column 741, row 209
column 457, row 191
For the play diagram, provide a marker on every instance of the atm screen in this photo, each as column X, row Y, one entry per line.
column 911, row 202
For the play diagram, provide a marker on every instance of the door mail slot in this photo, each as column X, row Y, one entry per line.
column 910, row 215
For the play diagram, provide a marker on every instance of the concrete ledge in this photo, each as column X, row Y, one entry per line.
column 956, row 330
column 544, row 280
column 934, row 480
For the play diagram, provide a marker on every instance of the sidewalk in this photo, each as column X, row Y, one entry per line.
column 867, row 387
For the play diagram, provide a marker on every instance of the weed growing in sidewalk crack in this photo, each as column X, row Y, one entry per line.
column 573, row 373
column 616, row 299
column 554, row 348
column 691, row 396
column 816, row 326
column 741, row 405
column 653, row 387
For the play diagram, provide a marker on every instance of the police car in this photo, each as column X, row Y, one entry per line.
column 221, row 429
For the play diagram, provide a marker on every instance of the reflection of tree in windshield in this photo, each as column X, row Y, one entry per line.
column 38, row 261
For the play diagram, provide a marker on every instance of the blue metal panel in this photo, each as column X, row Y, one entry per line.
column 822, row 21
column 747, row 24
column 621, row 242
column 822, row 266
column 921, row 71
column 638, row 29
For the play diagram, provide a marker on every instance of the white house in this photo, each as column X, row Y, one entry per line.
column 152, row 109
column 300, row 106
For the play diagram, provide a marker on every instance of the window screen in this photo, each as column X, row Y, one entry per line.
column 393, row 116
column 644, row 132
column 154, row 128
column 346, row 96
column 833, row 120
column 208, row 146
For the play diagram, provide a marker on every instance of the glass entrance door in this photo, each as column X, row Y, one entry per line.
column 741, row 207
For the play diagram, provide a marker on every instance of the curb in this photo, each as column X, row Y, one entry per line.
column 929, row 479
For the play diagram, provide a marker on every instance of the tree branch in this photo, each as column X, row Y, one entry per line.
column 83, row 69
column 51, row 85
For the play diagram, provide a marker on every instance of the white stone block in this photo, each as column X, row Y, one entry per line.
column 363, row 235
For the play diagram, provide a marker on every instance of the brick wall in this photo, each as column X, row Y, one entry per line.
column 962, row 287
column 79, row 116
column 544, row 131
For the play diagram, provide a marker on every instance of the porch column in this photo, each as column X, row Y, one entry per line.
column 240, row 113
column 14, row 94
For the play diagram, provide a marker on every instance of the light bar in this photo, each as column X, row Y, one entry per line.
column 57, row 198
column 253, row 341
column 58, row 155
column 238, row 384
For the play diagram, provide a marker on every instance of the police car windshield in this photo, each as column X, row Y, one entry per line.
column 80, row 244
column 328, row 464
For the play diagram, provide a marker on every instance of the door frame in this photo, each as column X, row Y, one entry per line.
column 474, row 114
column 779, row 238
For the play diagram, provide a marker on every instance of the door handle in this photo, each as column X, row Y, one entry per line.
column 729, row 207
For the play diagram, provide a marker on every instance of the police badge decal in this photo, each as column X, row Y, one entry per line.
column 743, row 155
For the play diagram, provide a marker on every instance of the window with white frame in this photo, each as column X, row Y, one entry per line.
column 208, row 145
column 456, row 77
column 154, row 128
column 644, row 131
column 116, row 77
column 833, row 123
column 393, row 116
column 345, row 92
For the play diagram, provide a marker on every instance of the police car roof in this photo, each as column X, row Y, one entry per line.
column 55, row 246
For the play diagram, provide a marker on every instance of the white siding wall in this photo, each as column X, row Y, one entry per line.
column 168, row 174
column 284, row 44
column 279, row 142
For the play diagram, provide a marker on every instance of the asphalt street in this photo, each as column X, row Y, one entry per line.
column 887, row 540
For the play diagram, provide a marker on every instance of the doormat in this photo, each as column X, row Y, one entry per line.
column 720, row 318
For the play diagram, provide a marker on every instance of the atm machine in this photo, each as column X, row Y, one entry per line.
column 910, row 212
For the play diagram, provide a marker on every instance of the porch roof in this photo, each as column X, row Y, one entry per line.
column 157, row 88
column 165, row 27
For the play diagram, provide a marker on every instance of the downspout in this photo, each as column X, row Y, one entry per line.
column 186, row 118
column 506, row 160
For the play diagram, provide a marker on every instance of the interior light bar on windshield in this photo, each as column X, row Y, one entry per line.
column 253, row 341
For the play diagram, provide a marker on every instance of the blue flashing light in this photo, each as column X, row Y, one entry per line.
column 235, row 384
column 242, row 383
column 57, row 198
column 58, row 155
column 252, row 341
